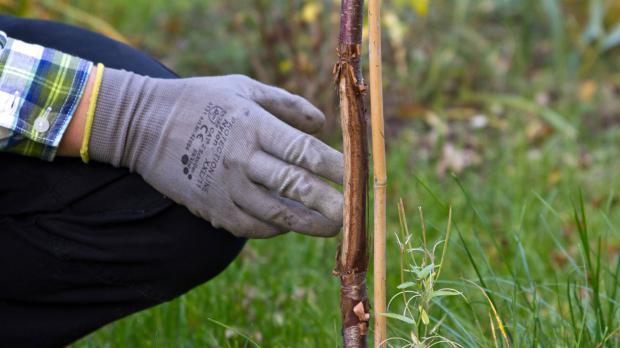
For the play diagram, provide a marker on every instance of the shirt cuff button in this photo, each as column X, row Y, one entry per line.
column 41, row 125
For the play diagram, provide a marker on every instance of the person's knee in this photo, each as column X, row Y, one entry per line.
column 195, row 257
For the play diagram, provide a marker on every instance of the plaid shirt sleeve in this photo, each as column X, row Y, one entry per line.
column 39, row 92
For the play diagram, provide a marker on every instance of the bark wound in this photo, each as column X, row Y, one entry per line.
column 352, row 259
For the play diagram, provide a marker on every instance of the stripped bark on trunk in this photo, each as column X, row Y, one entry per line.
column 352, row 259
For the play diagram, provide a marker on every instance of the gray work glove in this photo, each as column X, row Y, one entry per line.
column 234, row 151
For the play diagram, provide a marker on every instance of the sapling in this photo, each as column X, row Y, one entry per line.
column 352, row 259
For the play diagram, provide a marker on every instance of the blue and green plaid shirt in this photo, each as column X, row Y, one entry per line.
column 40, row 89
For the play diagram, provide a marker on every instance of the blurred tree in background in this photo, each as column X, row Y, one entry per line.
column 435, row 50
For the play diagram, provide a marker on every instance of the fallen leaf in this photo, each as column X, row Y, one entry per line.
column 587, row 90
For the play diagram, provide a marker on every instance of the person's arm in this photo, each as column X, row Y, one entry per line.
column 234, row 151
column 72, row 140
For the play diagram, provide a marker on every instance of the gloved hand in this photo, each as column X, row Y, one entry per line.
column 234, row 151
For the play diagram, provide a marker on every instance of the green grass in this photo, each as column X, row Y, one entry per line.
column 535, row 206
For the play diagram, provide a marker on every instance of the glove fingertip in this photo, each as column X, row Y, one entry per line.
column 313, row 118
column 334, row 231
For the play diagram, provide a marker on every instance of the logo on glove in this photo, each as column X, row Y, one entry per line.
column 185, row 161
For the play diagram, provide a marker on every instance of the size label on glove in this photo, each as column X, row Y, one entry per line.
column 203, row 151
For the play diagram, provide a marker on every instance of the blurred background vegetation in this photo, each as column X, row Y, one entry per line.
column 503, row 109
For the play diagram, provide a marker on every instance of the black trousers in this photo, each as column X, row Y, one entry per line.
column 84, row 245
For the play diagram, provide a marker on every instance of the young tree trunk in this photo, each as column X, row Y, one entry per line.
column 352, row 260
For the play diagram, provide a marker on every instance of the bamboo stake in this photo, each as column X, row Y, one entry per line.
column 352, row 259
column 379, row 170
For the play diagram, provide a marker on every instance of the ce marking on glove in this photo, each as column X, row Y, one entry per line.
column 211, row 131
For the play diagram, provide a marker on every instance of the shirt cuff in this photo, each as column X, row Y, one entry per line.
column 40, row 89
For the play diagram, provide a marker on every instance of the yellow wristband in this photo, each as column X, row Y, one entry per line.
column 90, row 115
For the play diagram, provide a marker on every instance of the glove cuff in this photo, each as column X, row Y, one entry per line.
column 111, row 121
column 129, row 118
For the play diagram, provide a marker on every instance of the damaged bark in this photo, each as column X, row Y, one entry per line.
column 352, row 259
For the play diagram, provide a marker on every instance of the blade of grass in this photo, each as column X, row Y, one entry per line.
column 238, row 332
column 552, row 117
column 498, row 319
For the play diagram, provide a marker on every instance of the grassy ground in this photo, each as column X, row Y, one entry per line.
column 517, row 223
column 507, row 111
